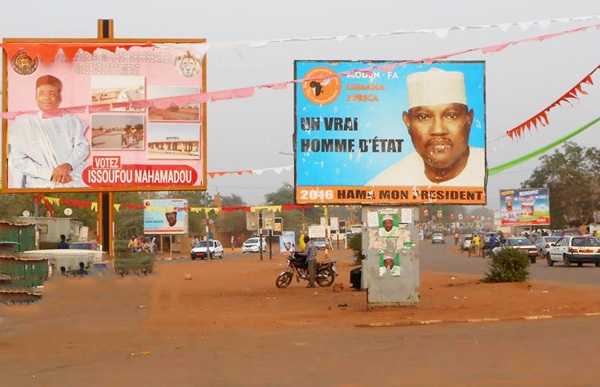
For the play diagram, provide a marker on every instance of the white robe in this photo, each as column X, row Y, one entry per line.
column 410, row 171
column 38, row 145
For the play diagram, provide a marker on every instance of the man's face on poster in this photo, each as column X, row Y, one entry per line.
column 47, row 97
column 440, row 133
column 171, row 218
column 388, row 224
column 509, row 201
column 388, row 262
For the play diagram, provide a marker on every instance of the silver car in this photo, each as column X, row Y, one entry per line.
column 543, row 243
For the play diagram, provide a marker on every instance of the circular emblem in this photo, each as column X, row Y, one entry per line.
column 23, row 64
column 322, row 86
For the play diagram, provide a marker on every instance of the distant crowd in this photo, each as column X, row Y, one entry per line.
column 141, row 244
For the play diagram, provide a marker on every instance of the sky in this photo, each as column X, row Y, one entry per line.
column 257, row 133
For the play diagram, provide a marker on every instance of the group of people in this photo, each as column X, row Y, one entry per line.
column 141, row 244
column 481, row 247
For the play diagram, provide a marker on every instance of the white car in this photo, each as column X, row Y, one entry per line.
column 438, row 237
column 466, row 242
column 207, row 249
column 577, row 249
column 252, row 245
column 518, row 243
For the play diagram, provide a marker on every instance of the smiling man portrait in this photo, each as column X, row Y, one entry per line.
column 439, row 122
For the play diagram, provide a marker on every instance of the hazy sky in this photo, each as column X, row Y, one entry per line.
column 250, row 133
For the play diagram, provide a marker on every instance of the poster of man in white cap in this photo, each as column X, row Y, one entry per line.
column 388, row 225
column 389, row 263
column 390, row 132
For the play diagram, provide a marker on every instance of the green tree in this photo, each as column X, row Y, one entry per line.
column 231, row 222
column 572, row 178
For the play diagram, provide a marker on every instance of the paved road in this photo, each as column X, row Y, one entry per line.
column 439, row 257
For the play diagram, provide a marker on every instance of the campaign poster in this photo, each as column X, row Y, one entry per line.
column 287, row 242
column 106, row 117
column 165, row 216
column 525, row 207
column 390, row 132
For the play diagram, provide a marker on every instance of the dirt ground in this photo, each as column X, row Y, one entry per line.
column 126, row 315
column 231, row 293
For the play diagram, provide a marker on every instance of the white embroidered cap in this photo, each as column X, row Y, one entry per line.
column 387, row 217
column 435, row 87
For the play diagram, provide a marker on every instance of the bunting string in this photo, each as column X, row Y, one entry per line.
column 540, row 118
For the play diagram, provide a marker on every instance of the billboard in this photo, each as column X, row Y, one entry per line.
column 110, row 117
column 524, row 207
column 165, row 216
column 395, row 133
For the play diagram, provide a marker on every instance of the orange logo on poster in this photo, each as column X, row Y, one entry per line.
column 322, row 86
column 23, row 64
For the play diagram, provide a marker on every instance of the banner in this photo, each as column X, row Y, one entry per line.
column 525, row 207
column 92, row 125
column 390, row 134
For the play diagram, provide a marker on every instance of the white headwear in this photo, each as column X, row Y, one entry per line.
column 435, row 87
column 387, row 217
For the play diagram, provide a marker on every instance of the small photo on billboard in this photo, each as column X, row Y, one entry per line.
column 117, row 89
column 169, row 110
column 173, row 141
column 118, row 131
column 165, row 216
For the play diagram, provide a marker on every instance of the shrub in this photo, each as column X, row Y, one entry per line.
column 355, row 243
column 508, row 265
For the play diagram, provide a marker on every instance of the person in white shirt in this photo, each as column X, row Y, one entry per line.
column 439, row 124
column 388, row 228
column 47, row 152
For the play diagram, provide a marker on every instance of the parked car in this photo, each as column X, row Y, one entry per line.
column 438, row 237
column 320, row 243
column 207, row 249
column 466, row 242
column 543, row 243
column 252, row 245
column 520, row 243
column 574, row 249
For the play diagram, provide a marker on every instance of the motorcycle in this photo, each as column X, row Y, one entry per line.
column 297, row 266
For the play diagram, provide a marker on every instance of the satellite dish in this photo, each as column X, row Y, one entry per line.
column 26, row 214
column 68, row 211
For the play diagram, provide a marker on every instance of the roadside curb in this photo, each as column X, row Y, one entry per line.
column 474, row 320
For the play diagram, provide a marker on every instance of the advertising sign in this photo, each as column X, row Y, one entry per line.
column 286, row 242
column 125, row 118
column 278, row 227
column 165, row 216
column 394, row 133
column 524, row 207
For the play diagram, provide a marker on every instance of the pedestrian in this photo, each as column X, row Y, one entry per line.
column 63, row 244
column 476, row 245
column 232, row 242
column 456, row 236
column 311, row 260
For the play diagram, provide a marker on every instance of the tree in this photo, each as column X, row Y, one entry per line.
column 231, row 223
column 572, row 178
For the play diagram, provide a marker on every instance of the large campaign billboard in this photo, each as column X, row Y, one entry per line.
column 524, row 207
column 390, row 132
column 115, row 116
